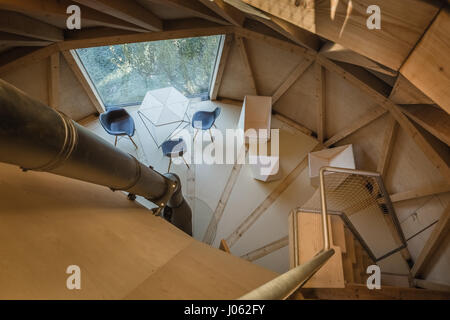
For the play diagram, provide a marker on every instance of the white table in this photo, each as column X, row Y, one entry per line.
column 164, row 110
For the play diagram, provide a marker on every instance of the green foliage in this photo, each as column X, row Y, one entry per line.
column 124, row 73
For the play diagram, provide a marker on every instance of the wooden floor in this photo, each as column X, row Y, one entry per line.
column 204, row 185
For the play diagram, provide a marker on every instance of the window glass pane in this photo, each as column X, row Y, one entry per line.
column 124, row 73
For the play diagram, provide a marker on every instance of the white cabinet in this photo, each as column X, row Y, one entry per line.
column 340, row 157
column 255, row 117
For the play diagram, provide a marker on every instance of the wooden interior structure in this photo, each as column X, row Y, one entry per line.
column 385, row 92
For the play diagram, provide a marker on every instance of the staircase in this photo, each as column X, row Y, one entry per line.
column 347, row 266
column 343, row 276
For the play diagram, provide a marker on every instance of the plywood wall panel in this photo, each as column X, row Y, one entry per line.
column 409, row 167
column 74, row 101
column 32, row 79
column 299, row 102
column 235, row 84
column 344, row 104
column 271, row 65
column 367, row 144
column 344, row 22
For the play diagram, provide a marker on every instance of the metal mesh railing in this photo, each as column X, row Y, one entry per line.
column 365, row 207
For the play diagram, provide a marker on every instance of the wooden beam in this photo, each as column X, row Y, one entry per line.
column 395, row 111
column 193, row 7
column 420, row 192
column 319, row 73
column 292, row 32
column 210, row 232
column 435, row 120
column 247, row 65
column 338, row 52
column 126, row 10
column 344, row 22
column 363, row 121
column 267, row 249
column 439, row 233
column 224, row 246
column 427, row 66
column 56, row 9
column 89, row 119
column 404, row 92
column 84, row 79
column 224, row 51
column 294, row 75
column 292, row 123
column 229, row 13
column 431, row 285
column 144, row 37
column 23, row 25
column 388, row 145
column 29, row 58
column 291, row 47
column 14, row 40
column 54, row 80
column 269, row 200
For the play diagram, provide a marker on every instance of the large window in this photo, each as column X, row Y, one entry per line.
column 122, row 74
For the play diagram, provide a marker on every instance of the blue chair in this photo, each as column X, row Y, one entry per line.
column 174, row 148
column 118, row 122
column 204, row 120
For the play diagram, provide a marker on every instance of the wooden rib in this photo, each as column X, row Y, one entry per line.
column 144, row 37
column 34, row 56
column 223, row 54
column 290, row 31
column 210, row 233
column 193, row 7
column 337, row 52
column 435, row 120
column 321, row 100
column 270, row 199
column 126, row 10
column 395, row 111
column 23, row 25
column 57, row 9
column 14, row 40
column 295, row 74
column 438, row 234
column 229, row 13
column 224, row 246
column 431, row 285
column 84, row 79
column 369, row 117
column 246, row 61
column 267, row 249
column 291, row 47
column 420, row 192
column 53, row 80
column 388, row 144
column 293, row 124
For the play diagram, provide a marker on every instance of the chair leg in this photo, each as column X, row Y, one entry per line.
column 135, row 145
column 210, row 133
column 186, row 162
column 214, row 125
column 195, row 135
column 115, row 142
column 170, row 163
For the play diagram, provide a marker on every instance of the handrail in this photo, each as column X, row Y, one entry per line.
column 284, row 285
